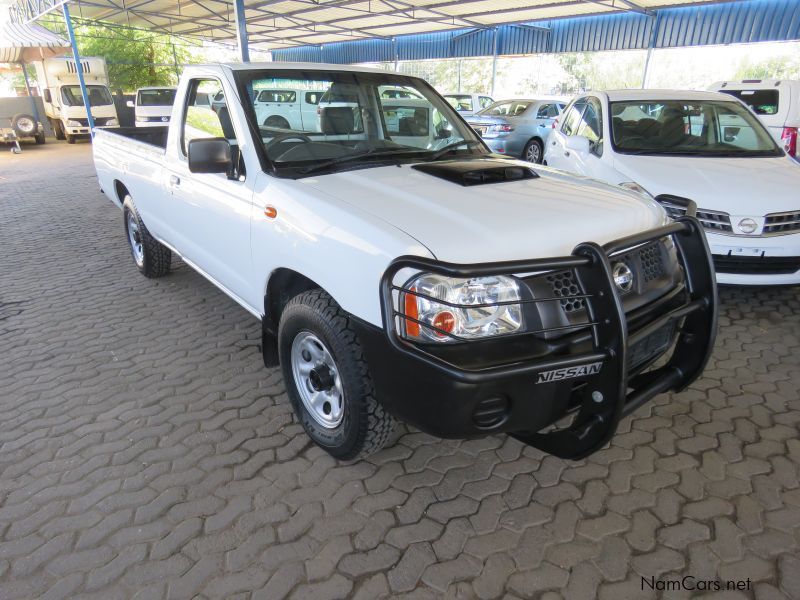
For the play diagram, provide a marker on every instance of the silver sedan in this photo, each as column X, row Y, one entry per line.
column 518, row 128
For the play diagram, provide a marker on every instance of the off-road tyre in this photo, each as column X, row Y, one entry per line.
column 366, row 427
column 156, row 258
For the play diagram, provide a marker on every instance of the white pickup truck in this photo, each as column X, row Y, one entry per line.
column 416, row 277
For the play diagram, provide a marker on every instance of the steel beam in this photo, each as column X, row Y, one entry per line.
column 78, row 66
column 241, row 31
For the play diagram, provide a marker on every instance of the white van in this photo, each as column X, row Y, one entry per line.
column 776, row 102
column 153, row 106
column 287, row 109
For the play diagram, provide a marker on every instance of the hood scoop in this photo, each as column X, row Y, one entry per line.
column 477, row 171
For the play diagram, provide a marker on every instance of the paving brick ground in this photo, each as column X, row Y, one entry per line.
column 145, row 452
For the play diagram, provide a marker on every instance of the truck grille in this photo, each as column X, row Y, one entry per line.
column 652, row 261
column 98, row 121
column 564, row 284
column 778, row 223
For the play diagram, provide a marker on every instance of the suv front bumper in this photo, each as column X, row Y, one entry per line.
column 523, row 397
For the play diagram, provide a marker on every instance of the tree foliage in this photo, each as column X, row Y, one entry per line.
column 135, row 58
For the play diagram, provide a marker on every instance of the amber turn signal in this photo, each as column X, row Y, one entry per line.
column 270, row 212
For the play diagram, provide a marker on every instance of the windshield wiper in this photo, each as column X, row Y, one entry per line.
column 354, row 157
column 450, row 147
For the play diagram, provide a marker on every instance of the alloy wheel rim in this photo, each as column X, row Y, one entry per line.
column 317, row 380
column 533, row 153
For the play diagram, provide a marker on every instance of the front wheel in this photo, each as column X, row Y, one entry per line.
column 328, row 380
column 70, row 138
column 534, row 152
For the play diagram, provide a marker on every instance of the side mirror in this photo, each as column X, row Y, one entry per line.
column 578, row 143
column 48, row 97
column 129, row 104
column 210, row 155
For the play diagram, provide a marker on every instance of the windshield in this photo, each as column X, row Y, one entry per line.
column 511, row 108
column 98, row 95
column 702, row 128
column 162, row 97
column 361, row 119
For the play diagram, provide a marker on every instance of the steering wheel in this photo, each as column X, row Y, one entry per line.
column 288, row 136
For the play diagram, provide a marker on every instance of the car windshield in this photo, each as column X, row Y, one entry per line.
column 98, row 95
column 696, row 128
column 361, row 119
column 162, row 97
column 511, row 108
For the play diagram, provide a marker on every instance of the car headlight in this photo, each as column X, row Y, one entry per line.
column 112, row 123
column 635, row 187
column 473, row 308
column 72, row 123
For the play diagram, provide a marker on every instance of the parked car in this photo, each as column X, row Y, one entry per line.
column 518, row 128
column 776, row 102
column 416, row 276
column 287, row 108
column 468, row 104
column 152, row 106
column 701, row 146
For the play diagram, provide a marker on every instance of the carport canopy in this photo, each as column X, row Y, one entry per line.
column 272, row 24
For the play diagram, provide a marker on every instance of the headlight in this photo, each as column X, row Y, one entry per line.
column 112, row 123
column 72, row 123
column 635, row 187
column 463, row 312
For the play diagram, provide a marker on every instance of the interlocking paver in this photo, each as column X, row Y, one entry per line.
column 145, row 452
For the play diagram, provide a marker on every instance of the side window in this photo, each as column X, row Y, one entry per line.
column 573, row 117
column 546, row 111
column 313, row 97
column 485, row 101
column 201, row 119
column 591, row 125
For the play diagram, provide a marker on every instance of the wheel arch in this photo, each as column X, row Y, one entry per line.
column 120, row 191
column 283, row 285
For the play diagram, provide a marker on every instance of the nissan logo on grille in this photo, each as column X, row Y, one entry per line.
column 623, row 277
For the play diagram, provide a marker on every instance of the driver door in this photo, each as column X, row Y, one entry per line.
column 212, row 212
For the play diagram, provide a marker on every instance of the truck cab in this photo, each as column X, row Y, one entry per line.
column 63, row 102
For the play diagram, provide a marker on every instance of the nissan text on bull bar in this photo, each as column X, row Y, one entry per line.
column 402, row 271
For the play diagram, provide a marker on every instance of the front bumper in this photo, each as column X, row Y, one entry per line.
column 525, row 396
column 756, row 260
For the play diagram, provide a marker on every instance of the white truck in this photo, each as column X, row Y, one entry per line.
column 63, row 103
column 415, row 277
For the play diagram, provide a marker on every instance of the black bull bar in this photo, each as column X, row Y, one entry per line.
column 615, row 393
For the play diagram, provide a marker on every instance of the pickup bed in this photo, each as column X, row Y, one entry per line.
column 401, row 271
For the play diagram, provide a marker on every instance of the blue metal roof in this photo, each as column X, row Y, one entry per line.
column 741, row 21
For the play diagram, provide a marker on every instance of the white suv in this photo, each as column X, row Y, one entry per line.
column 776, row 103
column 701, row 147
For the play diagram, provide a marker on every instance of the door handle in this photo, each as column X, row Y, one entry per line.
column 566, row 152
column 174, row 180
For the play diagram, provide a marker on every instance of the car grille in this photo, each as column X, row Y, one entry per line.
column 756, row 265
column 652, row 261
column 716, row 221
column 778, row 223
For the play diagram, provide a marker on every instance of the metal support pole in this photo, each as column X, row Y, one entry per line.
column 650, row 46
column 241, row 30
column 396, row 55
column 78, row 66
column 494, row 60
column 175, row 60
column 34, row 108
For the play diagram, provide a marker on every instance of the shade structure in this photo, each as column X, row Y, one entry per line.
column 27, row 42
column 284, row 23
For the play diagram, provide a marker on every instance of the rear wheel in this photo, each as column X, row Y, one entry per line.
column 25, row 125
column 40, row 139
column 328, row 380
column 534, row 152
column 151, row 257
column 277, row 122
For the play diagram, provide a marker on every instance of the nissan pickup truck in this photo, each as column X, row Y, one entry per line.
column 402, row 271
